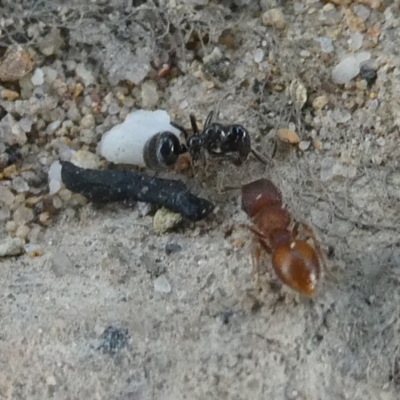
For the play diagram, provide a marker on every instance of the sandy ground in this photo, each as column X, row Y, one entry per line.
column 95, row 318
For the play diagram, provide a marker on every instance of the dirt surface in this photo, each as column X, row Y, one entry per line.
column 110, row 310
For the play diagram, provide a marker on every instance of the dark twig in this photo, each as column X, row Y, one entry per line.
column 109, row 185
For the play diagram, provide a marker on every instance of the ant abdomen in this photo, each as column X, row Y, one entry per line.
column 161, row 151
column 297, row 265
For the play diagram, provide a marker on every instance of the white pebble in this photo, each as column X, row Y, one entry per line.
column 349, row 67
column 11, row 247
column 86, row 75
column 54, row 177
column 19, row 184
column 38, row 77
column 258, row 55
column 161, row 285
column 326, row 44
column 53, row 126
column 356, row 41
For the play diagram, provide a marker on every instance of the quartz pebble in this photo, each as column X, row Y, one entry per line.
column 38, row 77
column 274, row 17
column 349, row 67
column 23, row 215
column 149, row 94
column 162, row 285
column 6, row 196
column 11, row 247
column 51, row 43
column 87, row 121
column 258, row 55
column 356, row 41
column 326, row 44
column 86, row 75
column 54, row 177
column 19, row 184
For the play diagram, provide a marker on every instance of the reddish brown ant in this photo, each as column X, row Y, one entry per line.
column 295, row 261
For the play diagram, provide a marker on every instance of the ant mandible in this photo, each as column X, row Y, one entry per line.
column 295, row 261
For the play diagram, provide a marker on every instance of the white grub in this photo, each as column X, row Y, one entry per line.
column 124, row 143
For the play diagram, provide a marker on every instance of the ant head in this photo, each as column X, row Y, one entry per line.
column 195, row 143
column 169, row 148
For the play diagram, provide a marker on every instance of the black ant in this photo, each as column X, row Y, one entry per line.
column 230, row 142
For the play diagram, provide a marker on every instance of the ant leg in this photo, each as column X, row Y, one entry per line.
column 260, row 157
column 208, row 119
column 236, row 160
column 256, row 253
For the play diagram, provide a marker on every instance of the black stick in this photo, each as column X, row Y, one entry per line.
column 109, row 185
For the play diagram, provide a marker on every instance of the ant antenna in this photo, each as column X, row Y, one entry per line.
column 208, row 119
column 193, row 122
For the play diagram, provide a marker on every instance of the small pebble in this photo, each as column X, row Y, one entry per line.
column 10, row 95
column 288, row 136
column 165, row 220
column 25, row 124
column 19, row 185
column 11, row 247
column 87, row 122
column 4, row 213
column 22, row 231
column 368, row 73
column 320, row 102
column 23, row 215
column 38, row 77
column 171, row 248
column 349, row 67
column 149, row 95
column 86, row 159
column 259, row 55
column 214, row 56
column 162, row 285
column 6, row 196
column 54, row 177
column 304, row 145
column 114, row 339
column 51, row 43
column 15, row 64
column 356, row 41
column 11, row 226
column 86, row 75
column 274, row 17
column 50, row 74
column 326, row 44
